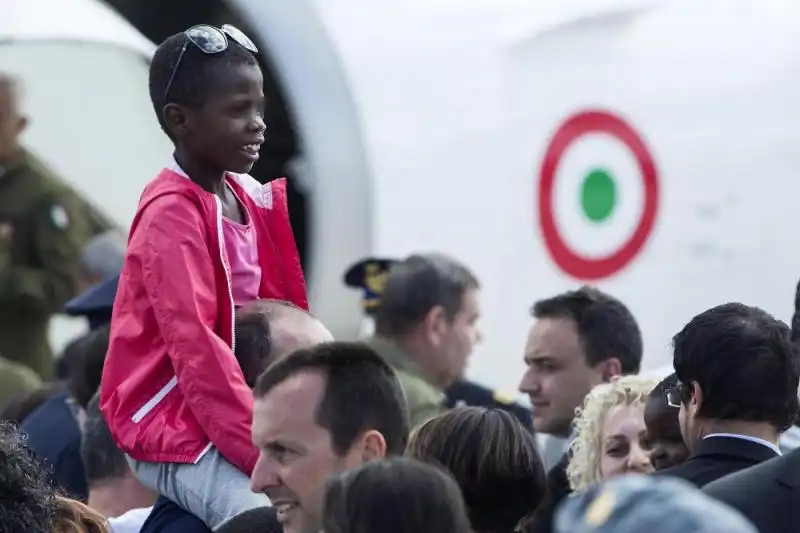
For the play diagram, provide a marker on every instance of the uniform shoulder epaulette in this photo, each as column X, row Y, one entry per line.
column 504, row 397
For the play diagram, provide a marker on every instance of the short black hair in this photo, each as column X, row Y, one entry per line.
column 362, row 392
column 416, row 285
column 257, row 520
column 86, row 370
column 605, row 325
column 102, row 459
column 395, row 495
column 192, row 82
column 29, row 499
column 745, row 363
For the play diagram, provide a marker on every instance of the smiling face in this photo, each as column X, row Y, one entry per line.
column 625, row 447
column 227, row 129
column 296, row 454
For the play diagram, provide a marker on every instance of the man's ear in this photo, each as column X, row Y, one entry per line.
column 610, row 369
column 435, row 325
column 176, row 119
column 373, row 446
column 696, row 399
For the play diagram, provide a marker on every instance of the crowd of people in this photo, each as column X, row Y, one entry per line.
column 206, row 396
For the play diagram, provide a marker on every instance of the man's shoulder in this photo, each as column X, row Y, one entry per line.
column 167, row 517
column 753, row 478
column 417, row 387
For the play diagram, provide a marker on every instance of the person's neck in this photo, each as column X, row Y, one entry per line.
column 418, row 353
column 118, row 496
column 759, row 430
column 211, row 180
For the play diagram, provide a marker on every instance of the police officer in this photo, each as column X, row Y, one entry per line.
column 369, row 275
column 43, row 228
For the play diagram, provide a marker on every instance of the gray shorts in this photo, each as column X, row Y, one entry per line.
column 212, row 489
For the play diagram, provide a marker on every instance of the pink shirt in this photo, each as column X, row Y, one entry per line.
column 240, row 245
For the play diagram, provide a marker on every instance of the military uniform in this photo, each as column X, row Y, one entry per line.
column 425, row 400
column 470, row 393
column 15, row 380
column 42, row 232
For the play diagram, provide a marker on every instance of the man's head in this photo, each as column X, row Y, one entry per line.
column 269, row 330
column 12, row 122
column 430, row 306
column 318, row 412
column 85, row 368
column 210, row 105
column 29, row 501
column 580, row 339
column 113, row 489
column 735, row 364
column 663, row 430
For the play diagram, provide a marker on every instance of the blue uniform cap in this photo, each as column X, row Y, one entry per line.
column 637, row 503
column 97, row 300
column 369, row 275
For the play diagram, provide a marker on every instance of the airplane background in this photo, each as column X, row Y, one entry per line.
column 647, row 147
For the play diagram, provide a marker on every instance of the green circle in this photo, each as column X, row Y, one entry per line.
column 598, row 195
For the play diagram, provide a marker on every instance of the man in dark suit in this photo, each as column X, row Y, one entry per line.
column 766, row 494
column 738, row 374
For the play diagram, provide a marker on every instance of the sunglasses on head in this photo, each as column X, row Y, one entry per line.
column 209, row 40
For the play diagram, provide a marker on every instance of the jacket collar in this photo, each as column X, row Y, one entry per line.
column 734, row 447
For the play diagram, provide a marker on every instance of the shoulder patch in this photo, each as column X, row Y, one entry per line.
column 59, row 216
column 503, row 397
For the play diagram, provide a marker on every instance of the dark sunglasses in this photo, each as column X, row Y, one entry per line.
column 209, row 40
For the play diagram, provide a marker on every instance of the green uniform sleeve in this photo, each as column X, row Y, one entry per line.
column 59, row 232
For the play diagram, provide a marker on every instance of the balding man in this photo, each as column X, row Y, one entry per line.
column 266, row 331
column 42, row 232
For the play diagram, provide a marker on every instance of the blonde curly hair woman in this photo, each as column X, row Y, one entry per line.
column 611, row 436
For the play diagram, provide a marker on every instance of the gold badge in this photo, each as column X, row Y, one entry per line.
column 600, row 509
column 504, row 397
column 374, row 278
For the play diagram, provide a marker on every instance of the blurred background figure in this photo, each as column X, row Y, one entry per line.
column 636, row 503
column 43, row 227
column 369, row 275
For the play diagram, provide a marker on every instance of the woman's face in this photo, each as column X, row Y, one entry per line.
column 625, row 448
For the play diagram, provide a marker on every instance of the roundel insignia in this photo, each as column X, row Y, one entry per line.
column 600, row 509
column 598, row 195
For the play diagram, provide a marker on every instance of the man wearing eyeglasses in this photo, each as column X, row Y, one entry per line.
column 738, row 375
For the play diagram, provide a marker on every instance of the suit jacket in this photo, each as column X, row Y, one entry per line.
column 558, row 489
column 766, row 494
column 717, row 457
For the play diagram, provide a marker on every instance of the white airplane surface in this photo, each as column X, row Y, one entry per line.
column 645, row 147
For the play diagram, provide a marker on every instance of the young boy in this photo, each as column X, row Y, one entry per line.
column 206, row 238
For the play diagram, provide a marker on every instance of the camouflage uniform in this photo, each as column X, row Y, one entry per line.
column 43, row 228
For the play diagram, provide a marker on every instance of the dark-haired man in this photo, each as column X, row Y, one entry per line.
column 580, row 339
column 738, row 374
column 318, row 412
column 663, row 428
column 426, row 328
